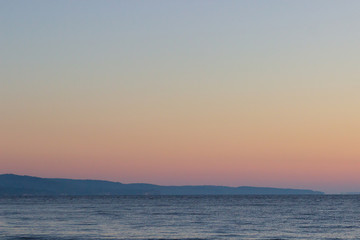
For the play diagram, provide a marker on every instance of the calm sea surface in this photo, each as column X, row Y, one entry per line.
column 180, row 217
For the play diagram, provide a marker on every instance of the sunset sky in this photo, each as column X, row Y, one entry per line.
column 257, row 93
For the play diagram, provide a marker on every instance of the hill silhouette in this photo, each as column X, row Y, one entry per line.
column 13, row 185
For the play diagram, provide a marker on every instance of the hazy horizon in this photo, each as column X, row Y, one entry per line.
column 232, row 93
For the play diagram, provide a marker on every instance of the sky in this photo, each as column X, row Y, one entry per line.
column 236, row 93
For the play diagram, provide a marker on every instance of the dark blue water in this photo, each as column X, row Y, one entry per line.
column 185, row 217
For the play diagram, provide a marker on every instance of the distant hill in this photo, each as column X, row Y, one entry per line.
column 13, row 185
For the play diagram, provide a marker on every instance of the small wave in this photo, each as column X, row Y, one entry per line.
column 276, row 239
column 175, row 239
column 37, row 237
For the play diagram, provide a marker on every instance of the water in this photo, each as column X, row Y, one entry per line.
column 180, row 217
